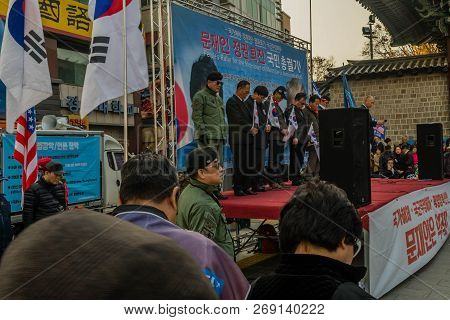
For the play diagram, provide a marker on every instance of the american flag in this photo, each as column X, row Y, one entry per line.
column 25, row 149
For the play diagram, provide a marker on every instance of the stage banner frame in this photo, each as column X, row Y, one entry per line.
column 203, row 43
column 405, row 234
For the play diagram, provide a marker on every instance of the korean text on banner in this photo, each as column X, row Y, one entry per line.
column 80, row 156
column 203, row 44
column 405, row 235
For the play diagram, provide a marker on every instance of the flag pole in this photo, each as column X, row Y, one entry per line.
column 311, row 42
column 125, row 81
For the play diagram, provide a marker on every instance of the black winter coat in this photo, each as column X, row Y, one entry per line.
column 310, row 277
column 42, row 200
column 240, row 120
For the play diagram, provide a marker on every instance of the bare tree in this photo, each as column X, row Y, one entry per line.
column 321, row 66
column 382, row 46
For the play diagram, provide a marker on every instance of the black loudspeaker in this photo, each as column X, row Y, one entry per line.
column 429, row 151
column 345, row 152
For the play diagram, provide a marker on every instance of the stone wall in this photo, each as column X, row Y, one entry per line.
column 403, row 101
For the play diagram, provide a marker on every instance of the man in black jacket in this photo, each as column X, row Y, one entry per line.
column 297, row 141
column 257, row 147
column 240, row 130
column 45, row 197
column 320, row 234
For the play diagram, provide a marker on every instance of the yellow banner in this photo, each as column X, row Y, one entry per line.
column 67, row 17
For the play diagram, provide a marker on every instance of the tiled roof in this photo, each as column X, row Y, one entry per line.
column 399, row 66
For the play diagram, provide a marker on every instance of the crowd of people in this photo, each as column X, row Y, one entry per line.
column 160, row 244
column 256, row 125
column 164, row 242
column 400, row 161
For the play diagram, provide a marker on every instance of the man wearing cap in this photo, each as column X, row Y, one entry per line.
column 45, row 197
column 276, row 130
column 208, row 115
column 198, row 208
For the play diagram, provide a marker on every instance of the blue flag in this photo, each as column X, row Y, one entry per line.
column 349, row 101
column 316, row 90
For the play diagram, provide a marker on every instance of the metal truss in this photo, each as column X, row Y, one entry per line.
column 162, row 83
column 213, row 9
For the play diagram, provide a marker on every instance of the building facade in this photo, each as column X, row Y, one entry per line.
column 407, row 91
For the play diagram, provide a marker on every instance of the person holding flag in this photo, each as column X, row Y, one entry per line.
column 278, row 130
column 312, row 145
column 296, row 137
column 256, row 151
column 25, row 73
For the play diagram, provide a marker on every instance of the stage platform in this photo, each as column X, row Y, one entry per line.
column 267, row 205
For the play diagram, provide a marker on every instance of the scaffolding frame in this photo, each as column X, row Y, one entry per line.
column 162, row 69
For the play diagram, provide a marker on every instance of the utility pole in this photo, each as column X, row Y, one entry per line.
column 368, row 33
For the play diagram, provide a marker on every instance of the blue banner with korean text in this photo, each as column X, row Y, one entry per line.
column 80, row 156
column 203, row 44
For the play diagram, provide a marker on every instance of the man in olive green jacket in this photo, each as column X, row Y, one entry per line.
column 208, row 115
column 198, row 208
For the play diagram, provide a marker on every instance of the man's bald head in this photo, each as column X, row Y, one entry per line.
column 369, row 102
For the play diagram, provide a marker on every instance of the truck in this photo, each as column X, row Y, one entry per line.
column 92, row 161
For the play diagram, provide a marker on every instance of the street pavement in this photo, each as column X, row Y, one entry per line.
column 432, row 282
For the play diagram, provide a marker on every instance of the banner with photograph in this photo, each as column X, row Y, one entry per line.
column 203, row 44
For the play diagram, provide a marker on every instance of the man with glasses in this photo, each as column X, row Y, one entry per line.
column 208, row 115
column 198, row 208
column 149, row 195
column 320, row 234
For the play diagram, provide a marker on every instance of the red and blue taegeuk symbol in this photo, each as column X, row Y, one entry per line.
column 105, row 8
column 16, row 21
column 274, row 112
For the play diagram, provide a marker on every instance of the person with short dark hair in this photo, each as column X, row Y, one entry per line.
column 241, row 133
column 389, row 172
column 320, row 232
column 257, row 148
column 148, row 197
column 198, row 208
column 87, row 255
column 387, row 154
column 277, row 129
column 297, row 141
column 208, row 116
column 311, row 113
column 46, row 197
column 324, row 102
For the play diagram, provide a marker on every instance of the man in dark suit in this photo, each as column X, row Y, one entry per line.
column 240, row 122
column 298, row 138
column 257, row 147
column 369, row 102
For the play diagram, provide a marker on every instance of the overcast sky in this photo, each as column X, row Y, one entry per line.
column 336, row 26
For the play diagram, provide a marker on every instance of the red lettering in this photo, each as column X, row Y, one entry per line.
column 442, row 224
column 420, row 240
column 206, row 40
column 224, row 45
